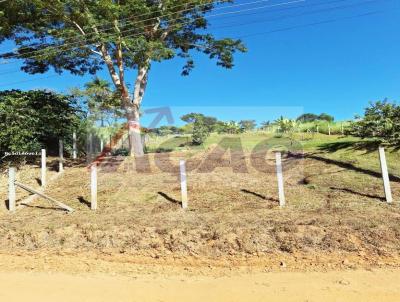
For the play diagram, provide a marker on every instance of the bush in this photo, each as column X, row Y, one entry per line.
column 200, row 132
column 33, row 120
column 381, row 121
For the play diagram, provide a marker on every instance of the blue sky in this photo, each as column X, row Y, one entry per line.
column 311, row 56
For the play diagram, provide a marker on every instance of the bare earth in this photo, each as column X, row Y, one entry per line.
column 358, row 285
column 334, row 241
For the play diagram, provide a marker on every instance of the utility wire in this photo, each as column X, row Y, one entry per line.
column 269, row 20
column 23, row 55
column 112, row 26
column 312, row 24
column 236, row 12
column 244, row 14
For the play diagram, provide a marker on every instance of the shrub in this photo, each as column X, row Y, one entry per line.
column 36, row 119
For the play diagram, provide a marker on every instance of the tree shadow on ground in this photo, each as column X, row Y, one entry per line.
column 259, row 195
column 358, row 193
column 368, row 146
column 170, row 199
column 350, row 166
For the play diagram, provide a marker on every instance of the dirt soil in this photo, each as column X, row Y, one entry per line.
column 94, row 277
column 335, row 231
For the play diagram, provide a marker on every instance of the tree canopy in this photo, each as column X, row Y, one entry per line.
column 84, row 36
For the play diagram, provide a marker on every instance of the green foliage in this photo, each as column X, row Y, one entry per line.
column 326, row 117
column 247, row 125
column 230, row 127
column 37, row 119
column 381, row 121
column 201, row 130
column 167, row 130
column 74, row 35
column 101, row 101
column 307, row 117
column 285, row 125
column 208, row 121
column 311, row 117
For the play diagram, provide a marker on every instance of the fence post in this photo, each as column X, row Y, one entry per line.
column 329, row 129
column 61, row 154
column 183, row 184
column 43, row 168
column 11, row 189
column 279, row 175
column 385, row 175
column 93, row 186
column 74, row 145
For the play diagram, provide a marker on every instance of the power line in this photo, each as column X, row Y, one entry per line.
column 215, row 15
column 269, row 20
column 298, row 15
column 252, row 13
column 251, row 35
column 77, row 39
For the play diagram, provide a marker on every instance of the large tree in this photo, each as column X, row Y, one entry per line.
column 83, row 36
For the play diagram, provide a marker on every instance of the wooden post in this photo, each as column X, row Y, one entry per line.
column 279, row 175
column 385, row 175
column 61, row 155
column 11, row 189
column 93, row 186
column 43, row 168
column 183, row 184
column 74, row 151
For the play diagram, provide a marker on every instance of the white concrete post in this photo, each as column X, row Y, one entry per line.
column 183, row 184
column 74, row 151
column 329, row 129
column 61, row 155
column 43, row 168
column 93, row 186
column 385, row 175
column 279, row 175
column 11, row 189
column 101, row 145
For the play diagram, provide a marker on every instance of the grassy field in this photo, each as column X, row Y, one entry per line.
column 333, row 188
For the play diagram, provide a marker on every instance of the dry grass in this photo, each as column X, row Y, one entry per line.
column 331, row 208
